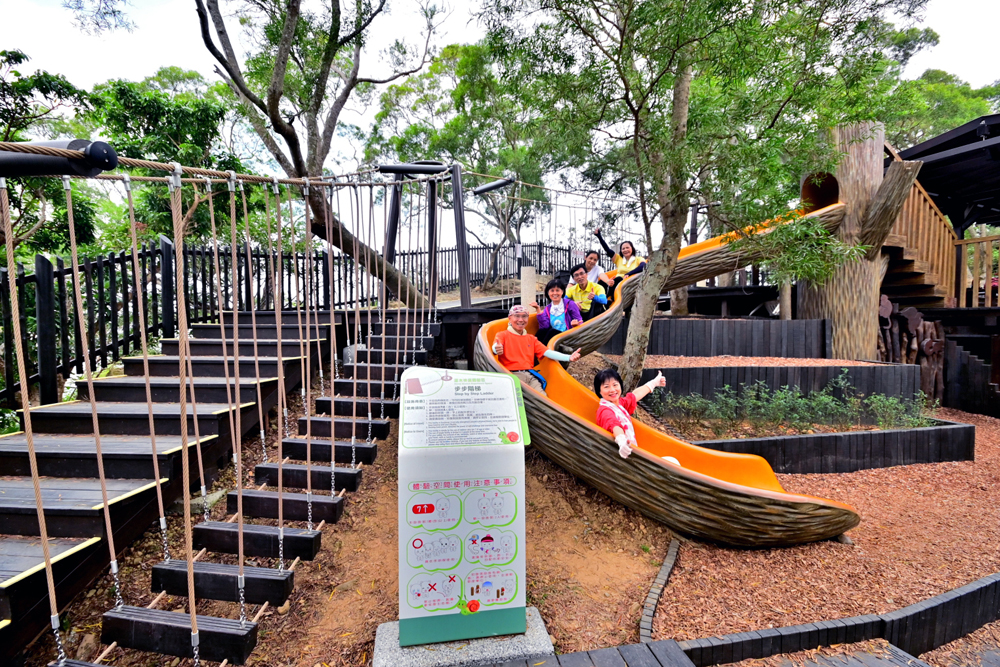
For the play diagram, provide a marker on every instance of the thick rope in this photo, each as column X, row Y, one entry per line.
column 28, row 432
column 90, row 383
column 238, row 433
column 281, row 388
column 262, row 418
column 140, row 290
column 302, row 298
column 182, row 348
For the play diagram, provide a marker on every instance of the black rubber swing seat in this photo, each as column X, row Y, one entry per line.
column 169, row 633
column 294, row 476
column 219, row 581
column 258, row 541
column 364, row 452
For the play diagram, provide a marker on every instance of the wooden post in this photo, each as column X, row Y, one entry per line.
column 45, row 318
column 527, row 286
column 167, row 286
column 850, row 299
column 785, row 300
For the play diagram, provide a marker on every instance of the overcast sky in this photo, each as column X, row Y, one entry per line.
column 167, row 33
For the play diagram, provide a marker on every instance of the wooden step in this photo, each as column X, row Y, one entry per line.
column 133, row 418
column 345, row 427
column 412, row 327
column 359, row 387
column 294, row 476
column 264, row 332
column 374, row 354
column 358, row 407
column 168, row 365
column 364, row 452
column 411, row 342
column 264, row 505
column 132, row 389
column 169, row 633
column 73, row 507
column 209, row 347
column 258, row 541
column 287, row 316
column 374, row 372
column 220, row 581
column 125, row 456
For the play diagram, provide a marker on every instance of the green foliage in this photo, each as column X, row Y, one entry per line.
column 800, row 250
column 29, row 99
column 940, row 102
column 763, row 409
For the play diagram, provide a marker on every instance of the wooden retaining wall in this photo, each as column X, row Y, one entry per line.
column 897, row 380
column 709, row 337
column 857, row 450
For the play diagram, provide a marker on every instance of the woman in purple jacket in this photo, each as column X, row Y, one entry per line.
column 561, row 314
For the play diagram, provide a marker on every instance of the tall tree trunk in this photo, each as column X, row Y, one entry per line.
column 850, row 298
column 673, row 200
column 365, row 256
column 493, row 272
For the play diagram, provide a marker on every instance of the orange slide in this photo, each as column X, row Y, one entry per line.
column 732, row 499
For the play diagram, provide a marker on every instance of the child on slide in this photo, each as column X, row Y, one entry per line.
column 613, row 413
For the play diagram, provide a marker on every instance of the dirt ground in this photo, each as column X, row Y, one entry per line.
column 925, row 529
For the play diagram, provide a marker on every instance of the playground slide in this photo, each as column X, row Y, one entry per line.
column 732, row 499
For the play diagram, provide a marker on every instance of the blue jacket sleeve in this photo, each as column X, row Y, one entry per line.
column 638, row 269
column 601, row 299
column 543, row 318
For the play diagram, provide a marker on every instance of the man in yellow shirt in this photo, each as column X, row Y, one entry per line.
column 588, row 295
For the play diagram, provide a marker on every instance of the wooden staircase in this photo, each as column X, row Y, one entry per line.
column 362, row 404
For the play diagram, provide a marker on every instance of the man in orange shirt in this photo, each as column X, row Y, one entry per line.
column 517, row 349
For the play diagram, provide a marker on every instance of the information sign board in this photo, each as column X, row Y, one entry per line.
column 461, row 506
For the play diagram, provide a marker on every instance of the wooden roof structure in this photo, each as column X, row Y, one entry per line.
column 961, row 172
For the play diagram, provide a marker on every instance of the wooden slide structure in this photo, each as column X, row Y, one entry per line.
column 730, row 499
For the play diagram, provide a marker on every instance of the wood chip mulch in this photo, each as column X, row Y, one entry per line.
column 925, row 529
column 670, row 361
column 876, row 647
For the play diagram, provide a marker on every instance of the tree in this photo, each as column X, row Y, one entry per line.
column 30, row 104
column 701, row 99
column 941, row 102
column 294, row 87
column 457, row 110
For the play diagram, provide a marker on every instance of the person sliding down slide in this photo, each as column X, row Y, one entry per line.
column 614, row 409
column 516, row 350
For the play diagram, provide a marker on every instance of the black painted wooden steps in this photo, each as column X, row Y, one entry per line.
column 73, row 507
column 169, row 633
column 264, row 505
column 374, row 372
column 219, row 581
column 364, row 452
column 133, row 418
column 168, row 365
column 344, row 427
column 374, row 354
column 22, row 569
column 347, row 406
column 258, row 541
column 409, row 328
column 264, row 331
column 266, row 317
column 125, row 456
column 361, row 388
column 406, row 342
column 132, row 389
column 294, row 476
column 209, row 347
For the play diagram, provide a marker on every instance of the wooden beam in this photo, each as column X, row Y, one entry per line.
column 977, row 239
column 884, row 208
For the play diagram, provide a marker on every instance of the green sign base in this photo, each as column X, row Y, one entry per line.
column 453, row 627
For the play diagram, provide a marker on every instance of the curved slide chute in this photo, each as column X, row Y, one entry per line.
column 732, row 499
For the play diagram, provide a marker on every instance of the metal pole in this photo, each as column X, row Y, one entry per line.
column 167, row 286
column 45, row 318
column 395, row 206
column 432, row 265
column 458, row 194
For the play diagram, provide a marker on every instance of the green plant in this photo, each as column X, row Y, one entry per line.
column 725, row 410
column 645, row 547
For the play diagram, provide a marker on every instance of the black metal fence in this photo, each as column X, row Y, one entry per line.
column 49, row 321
